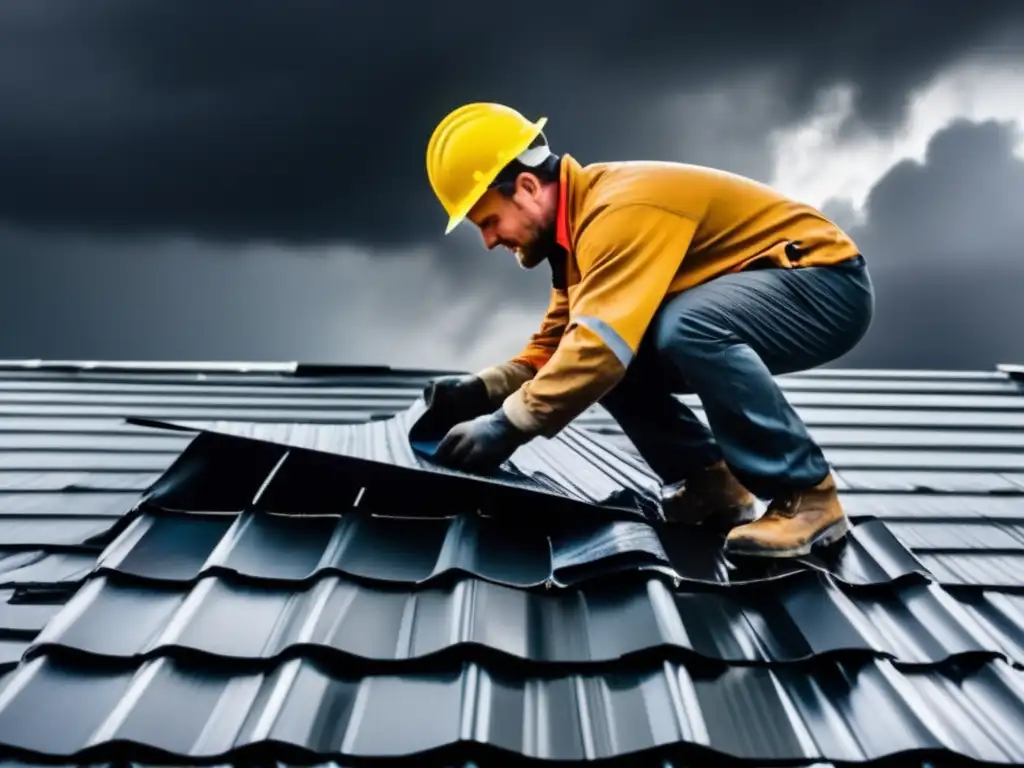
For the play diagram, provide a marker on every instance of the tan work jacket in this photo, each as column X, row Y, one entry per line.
column 636, row 233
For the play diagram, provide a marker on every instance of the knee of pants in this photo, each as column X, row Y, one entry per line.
column 687, row 338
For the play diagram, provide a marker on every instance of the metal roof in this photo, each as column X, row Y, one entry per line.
column 291, row 581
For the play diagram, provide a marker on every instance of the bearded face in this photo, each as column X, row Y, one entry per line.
column 521, row 221
column 539, row 246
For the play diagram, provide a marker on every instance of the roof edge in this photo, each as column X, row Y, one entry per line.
column 309, row 369
column 293, row 368
column 1014, row 370
column 143, row 366
column 908, row 374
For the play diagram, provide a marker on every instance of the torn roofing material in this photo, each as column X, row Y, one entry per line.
column 574, row 466
column 356, row 514
column 203, row 598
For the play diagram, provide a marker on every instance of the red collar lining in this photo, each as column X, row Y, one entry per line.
column 562, row 216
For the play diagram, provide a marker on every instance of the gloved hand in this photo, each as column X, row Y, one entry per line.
column 482, row 444
column 450, row 400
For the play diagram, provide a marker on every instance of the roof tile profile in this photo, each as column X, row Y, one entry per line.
column 237, row 564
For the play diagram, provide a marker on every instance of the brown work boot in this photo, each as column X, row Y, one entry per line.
column 793, row 524
column 711, row 496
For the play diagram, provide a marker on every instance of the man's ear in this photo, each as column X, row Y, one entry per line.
column 528, row 183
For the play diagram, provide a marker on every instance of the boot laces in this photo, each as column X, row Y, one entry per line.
column 785, row 506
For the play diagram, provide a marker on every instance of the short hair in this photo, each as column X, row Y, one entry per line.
column 537, row 159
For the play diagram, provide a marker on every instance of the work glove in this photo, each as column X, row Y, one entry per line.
column 450, row 400
column 482, row 444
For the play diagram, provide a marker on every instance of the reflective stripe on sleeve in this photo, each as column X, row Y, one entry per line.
column 609, row 336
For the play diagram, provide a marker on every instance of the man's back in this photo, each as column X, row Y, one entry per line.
column 739, row 220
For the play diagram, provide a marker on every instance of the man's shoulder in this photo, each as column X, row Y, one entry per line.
column 616, row 202
column 682, row 188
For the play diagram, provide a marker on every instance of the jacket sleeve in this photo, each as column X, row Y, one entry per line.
column 505, row 378
column 628, row 257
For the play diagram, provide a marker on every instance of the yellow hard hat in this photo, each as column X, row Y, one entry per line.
column 468, row 150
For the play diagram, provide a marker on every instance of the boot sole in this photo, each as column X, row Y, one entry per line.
column 826, row 537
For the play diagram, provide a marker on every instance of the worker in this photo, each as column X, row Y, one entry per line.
column 667, row 279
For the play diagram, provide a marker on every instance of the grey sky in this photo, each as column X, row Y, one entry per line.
column 949, row 237
column 246, row 180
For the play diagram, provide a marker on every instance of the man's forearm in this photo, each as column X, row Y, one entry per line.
column 503, row 379
column 582, row 371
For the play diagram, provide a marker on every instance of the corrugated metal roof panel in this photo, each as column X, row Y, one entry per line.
column 840, row 711
column 87, row 461
column 1017, row 478
column 18, row 617
column 972, row 385
column 208, row 628
column 966, row 460
column 900, row 374
column 39, row 531
column 56, row 504
column 929, row 481
column 169, row 547
column 574, row 465
column 44, row 481
column 943, row 535
column 343, row 621
column 976, row 569
column 26, row 568
column 938, row 506
column 917, row 439
column 857, row 418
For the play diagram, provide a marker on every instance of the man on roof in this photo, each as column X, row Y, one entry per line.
column 667, row 278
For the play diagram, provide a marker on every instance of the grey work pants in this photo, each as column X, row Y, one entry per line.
column 724, row 341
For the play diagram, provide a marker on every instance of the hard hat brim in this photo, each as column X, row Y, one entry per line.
column 453, row 222
column 459, row 215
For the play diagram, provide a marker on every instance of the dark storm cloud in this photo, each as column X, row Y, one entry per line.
column 945, row 240
column 307, row 121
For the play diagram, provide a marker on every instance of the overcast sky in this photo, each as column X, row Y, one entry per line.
column 245, row 180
